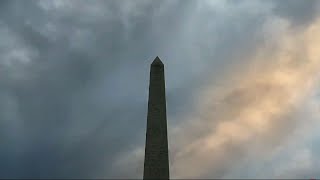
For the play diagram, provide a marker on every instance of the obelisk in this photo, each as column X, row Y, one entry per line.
column 156, row 162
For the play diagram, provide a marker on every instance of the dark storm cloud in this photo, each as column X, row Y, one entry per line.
column 74, row 105
column 74, row 76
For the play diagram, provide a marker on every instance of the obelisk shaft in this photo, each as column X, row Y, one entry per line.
column 156, row 163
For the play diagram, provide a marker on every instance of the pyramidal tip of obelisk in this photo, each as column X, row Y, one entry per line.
column 157, row 62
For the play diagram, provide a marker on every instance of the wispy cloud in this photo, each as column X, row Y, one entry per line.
column 253, row 111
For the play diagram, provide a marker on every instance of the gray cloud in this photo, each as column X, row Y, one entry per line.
column 74, row 76
column 299, row 13
column 81, row 100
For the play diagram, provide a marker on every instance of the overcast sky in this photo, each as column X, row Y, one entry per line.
column 242, row 84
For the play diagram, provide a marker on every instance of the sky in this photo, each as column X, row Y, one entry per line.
column 242, row 87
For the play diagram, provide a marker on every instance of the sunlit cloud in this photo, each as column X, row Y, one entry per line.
column 252, row 110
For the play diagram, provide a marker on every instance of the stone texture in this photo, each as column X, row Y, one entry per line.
column 156, row 163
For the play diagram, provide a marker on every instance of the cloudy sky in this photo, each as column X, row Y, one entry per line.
column 243, row 92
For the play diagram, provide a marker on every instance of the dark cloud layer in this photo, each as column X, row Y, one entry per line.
column 78, row 107
column 74, row 76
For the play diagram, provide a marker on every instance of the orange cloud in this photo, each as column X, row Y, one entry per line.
column 254, row 110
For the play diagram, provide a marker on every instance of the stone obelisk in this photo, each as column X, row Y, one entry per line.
column 156, row 162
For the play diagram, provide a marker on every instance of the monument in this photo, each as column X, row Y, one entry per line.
column 156, row 162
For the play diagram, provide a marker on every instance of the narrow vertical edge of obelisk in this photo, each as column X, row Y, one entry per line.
column 156, row 162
